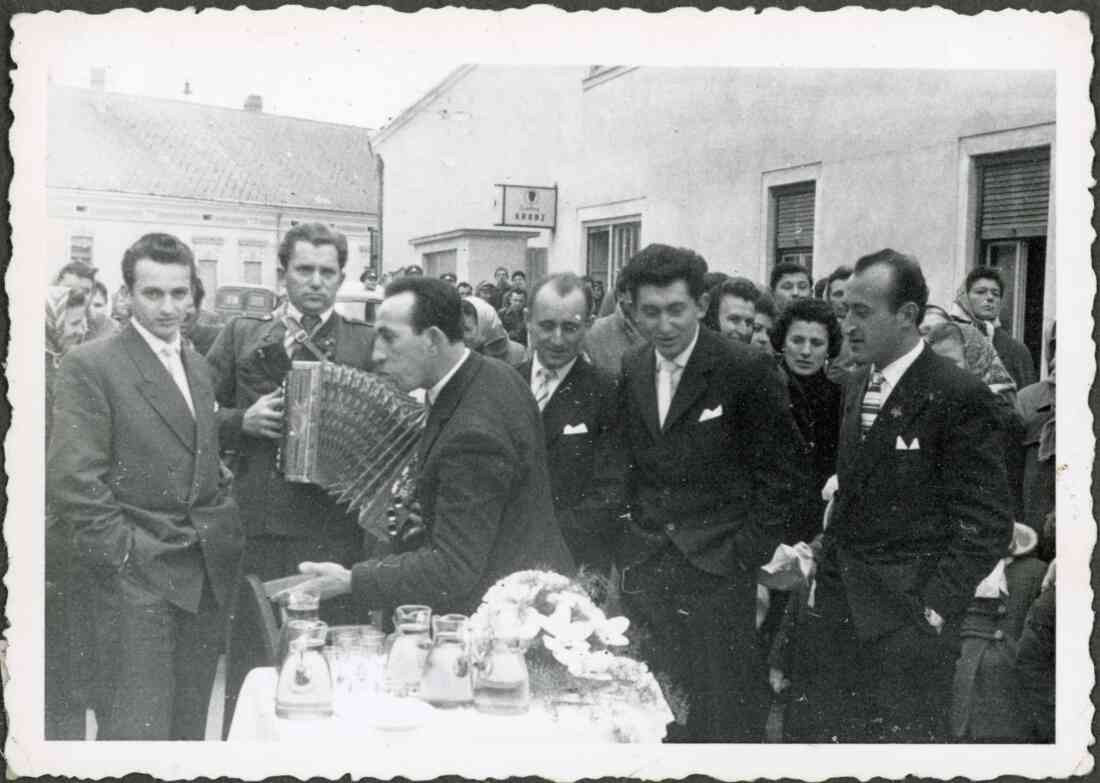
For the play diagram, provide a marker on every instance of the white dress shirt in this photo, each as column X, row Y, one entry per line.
column 891, row 373
column 667, row 393
column 169, row 355
column 552, row 384
column 433, row 393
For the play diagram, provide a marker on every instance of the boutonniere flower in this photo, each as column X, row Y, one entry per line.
column 895, row 412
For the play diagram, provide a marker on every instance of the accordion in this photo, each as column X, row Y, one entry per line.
column 352, row 433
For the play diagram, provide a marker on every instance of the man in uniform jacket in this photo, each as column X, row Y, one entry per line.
column 133, row 467
column 921, row 516
column 287, row 522
column 482, row 484
column 715, row 475
column 579, row 418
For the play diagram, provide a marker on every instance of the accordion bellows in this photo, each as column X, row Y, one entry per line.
column 352, row 433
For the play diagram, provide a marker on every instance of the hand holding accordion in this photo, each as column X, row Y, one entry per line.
column 354, row 434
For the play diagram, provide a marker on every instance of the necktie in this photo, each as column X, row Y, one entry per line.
column 668, row 376
column 542, row 391
column 309, row 323
column 174, row 364
column 872, row 403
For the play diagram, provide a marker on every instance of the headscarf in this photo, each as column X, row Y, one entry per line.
column 963, row 313
column 489, row 328
column 57, row 303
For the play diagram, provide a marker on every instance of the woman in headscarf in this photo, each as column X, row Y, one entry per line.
column 66, row 327
column 484, row 333
column 978, row 303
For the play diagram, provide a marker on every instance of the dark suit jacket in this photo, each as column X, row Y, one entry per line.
column 724, row 477
column 248, row 361
column 586, row 468
column 484, row 492
column 918, row 527
column 136, row 476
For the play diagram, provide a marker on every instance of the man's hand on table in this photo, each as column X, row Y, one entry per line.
column 329, row 579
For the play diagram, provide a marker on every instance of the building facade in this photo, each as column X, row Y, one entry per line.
column 746, row 166
column 228, row 182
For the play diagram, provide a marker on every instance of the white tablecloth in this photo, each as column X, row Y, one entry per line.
column 255, row 721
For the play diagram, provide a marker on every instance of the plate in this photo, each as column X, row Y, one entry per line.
column 388, row 713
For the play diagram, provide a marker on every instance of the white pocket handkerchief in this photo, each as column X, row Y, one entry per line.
column 902, row 446
column 710, row 413
column 575, row 429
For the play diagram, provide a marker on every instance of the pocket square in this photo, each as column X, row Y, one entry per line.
column 575, row 429
column 901, row 445
column 710, row 413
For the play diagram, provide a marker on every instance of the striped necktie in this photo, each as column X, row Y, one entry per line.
column 542, row 392
column 872, row 403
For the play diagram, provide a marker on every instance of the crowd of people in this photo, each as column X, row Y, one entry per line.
column 669, row 439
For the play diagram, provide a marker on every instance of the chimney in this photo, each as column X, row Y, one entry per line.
column 254, row 103
column 99, row 79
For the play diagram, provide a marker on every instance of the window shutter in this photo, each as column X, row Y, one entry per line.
column 794, row 219
column 1015, row 196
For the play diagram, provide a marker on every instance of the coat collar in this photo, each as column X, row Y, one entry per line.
column 447, row 401
column 158, row 388
column 693, row 381
column 559, row 411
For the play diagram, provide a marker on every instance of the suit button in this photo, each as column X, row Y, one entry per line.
column 670, row 528
column 1002, row 609
column 998, row 635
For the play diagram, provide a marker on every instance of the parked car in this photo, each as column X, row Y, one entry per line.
column 358, row 304
column 243, row 299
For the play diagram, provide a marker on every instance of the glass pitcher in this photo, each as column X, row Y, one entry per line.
column 411, row 644
column 447, row 681
column 502, row 684
column 301, row 604
column 305, row 688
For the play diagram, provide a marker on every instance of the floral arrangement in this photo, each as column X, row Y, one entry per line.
column 572, row 650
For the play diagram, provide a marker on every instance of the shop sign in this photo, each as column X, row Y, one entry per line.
column 528, row 206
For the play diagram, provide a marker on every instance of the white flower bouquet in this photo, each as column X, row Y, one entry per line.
column 573, row 651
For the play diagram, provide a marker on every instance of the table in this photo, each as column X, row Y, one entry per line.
column 255, row 721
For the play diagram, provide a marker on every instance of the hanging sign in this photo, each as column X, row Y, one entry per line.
column 529, row 207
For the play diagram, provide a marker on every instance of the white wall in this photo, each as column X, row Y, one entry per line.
column 497, row 124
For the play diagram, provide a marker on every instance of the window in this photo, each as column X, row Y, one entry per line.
column 208, row 252
column 252, row 253
column 80, row 249
column 793, row 223
column 1013, row 204
column 610, row 246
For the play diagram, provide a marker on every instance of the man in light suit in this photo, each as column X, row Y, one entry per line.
column 133, row 467
column 482, row 484
column 715, row 474
column 921, row 516
column 579, row 420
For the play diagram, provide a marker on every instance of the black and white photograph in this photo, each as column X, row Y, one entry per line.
column 420, row 398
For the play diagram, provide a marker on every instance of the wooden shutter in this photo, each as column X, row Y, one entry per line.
column 1015, row 194
column 794, row 218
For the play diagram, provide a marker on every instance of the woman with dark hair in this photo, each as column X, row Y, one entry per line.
column 731, row 310
column 806, row 336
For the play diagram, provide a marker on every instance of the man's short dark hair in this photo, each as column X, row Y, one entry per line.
column 985, row 273
column 842, row 272
column 98, row 287
column 77, row 268
column 784, row 268
column 75, row 298
column 662, row 265
column 565, row 283
column 740, row 287
column 316, row 234
column 908, row 279
column 712, row 279
column 437, row 304
column 765, row 305
column 161, row 248
column 519, row 273
column 198, row 291
column 816, row 311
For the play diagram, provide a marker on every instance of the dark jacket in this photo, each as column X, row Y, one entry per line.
column 917, row 526
column 248, row 360
column 586, row 462
column 136, row 476
column 815, row 405
column 484, row 492
column 721, row 480
column 1016, row 358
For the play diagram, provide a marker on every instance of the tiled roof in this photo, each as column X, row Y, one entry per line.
column 152, row 146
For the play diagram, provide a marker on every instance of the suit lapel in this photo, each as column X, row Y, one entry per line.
column 906, row 402
column 693, row 380
column 444, row 407
column 559, row 409
column 159, row 389
column 645, row 392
